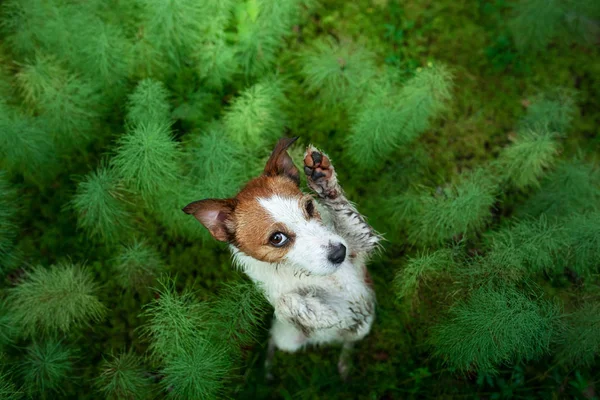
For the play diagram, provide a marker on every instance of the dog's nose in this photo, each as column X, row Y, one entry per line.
column 337, row 253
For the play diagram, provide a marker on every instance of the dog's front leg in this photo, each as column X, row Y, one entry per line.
column 307, row 312
column 347, row 220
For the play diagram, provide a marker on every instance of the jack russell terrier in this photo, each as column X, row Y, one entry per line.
column 312, row 273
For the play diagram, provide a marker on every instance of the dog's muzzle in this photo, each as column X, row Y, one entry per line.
column 337, row 253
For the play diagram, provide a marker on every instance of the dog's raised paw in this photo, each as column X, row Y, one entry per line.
column 320, row 173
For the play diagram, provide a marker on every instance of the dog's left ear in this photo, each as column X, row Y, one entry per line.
column 214, row 214
column 280, row 162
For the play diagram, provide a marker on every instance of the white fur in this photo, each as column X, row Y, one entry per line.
column 306, row 288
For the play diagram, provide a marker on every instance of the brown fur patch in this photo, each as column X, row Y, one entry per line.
column 253, row 225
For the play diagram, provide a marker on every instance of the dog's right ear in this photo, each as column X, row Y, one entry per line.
column 213, row 214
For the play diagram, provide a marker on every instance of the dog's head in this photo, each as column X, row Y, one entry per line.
column 271, row 220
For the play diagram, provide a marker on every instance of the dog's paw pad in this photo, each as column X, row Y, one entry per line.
column 320, row 173
column 317, row 165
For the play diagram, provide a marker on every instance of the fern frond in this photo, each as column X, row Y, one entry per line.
column 237, row 314
column 175, row 322
column 54, row 300
column 122, row 377
column 495, row 327
column 137, row 265
column 581, row 338
column 100, row 207
column 338, row 72
column 388, row 119
column 45, row 367
column 461, row 209
column 210, row 363
column 524, row 162
column 420, row 269
column 574, row 186
column 8, row 213
column 553, row 110
column 149, row 102
column 147, row 159
column 256, row 117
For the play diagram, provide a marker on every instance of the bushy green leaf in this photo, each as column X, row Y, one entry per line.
column 529, row 245
column 461, row 209
column 100, row 205
column 25, row 146
column 237, row 313
column 339, row 72
column 210, row 365
column 393, row 117
column 8, row 212
column 524, row 162
column 148, row 102
column 583, row 238
column 419, row 269
column 175, row 322
column 495, row 327
column 137, row 265
column 147, row 159
column 122, row 377
column 216, row 163
column 256, row 117
column 581, row 338
column 262, row 26
column 56, row 299
column 573, row 186
column 553, row 110
column 45, row 367
column 70, row 105
column 8, row 390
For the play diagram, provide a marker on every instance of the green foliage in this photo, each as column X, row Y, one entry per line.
column 261, row 27
column 536, row 23
column 25, row 146
column 494, row 327
column 175, row 322
column 237, row 314
column 122, row 377
column 216, row 163
column 146, row 159
column 584, row 242
column 137, row 265
column 256, row 117
column 419, row 270
column 8, row 390
column 523, row 163
column 45, row 367
column 338, row 72
column 54, row 300
column 8, row 211
column 581, row 338
column 573, row 187
column 69, row 104
column 553, row 110
column 530, row 245
column 209, row 363
column 390, row 118
column 463, row 208
column 100, row 205
column 148, row 102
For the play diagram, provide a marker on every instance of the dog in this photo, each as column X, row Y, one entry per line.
column 312, row 272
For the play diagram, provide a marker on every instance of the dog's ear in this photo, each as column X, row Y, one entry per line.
column 280, row 162
column 213, row 214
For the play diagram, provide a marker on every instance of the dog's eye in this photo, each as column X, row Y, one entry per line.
column 278, row 239
column 310, row 208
